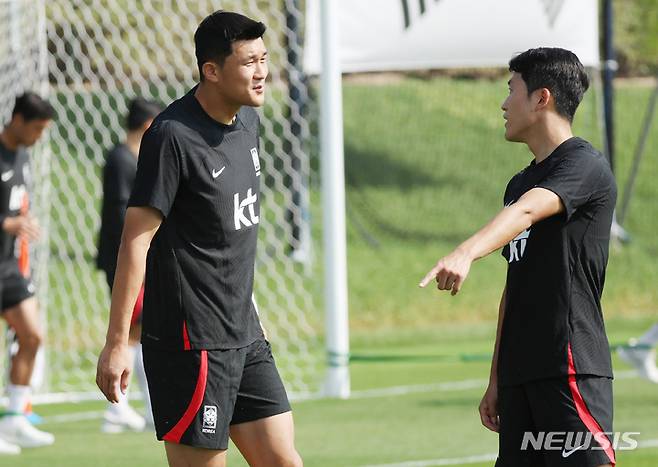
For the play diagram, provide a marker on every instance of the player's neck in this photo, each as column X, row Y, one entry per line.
column 8, row 140
column 547, row 137
column 214, row 105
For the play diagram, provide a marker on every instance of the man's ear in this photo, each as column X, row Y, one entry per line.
column 544, row 97
column 18, row 120
column 210, row 71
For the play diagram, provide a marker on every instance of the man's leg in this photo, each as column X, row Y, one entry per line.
column 24, row 320
column 268, row 442
column 180, row 455
column 15, row 428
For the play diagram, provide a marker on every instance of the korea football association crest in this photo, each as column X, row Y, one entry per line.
column 209, row 419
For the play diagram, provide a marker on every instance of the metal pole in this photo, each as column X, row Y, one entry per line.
column 297, row 214
column 639, row 151
column 609, row 67
column 337, row 382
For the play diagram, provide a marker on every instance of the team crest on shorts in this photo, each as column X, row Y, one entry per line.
column 209, row 419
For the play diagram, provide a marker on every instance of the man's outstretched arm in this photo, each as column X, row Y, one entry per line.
column 535, row 205
column 113, row 370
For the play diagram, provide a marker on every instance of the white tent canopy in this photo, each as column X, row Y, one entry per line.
column 381, row 35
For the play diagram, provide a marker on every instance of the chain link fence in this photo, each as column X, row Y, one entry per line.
column 90, row 57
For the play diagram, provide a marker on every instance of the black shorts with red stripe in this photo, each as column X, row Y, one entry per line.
column 197, row 394
column 564, row 421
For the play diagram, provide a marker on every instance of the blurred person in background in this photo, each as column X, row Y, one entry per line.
column 30, row 117
column 641, row 353
column 118, row 179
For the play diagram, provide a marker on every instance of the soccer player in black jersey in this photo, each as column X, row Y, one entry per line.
column 30, row 117
column 551, row 374
column 192, row 225
column 118, row 180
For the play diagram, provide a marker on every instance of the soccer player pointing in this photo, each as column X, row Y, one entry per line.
column 192, row 225
column 551, row 370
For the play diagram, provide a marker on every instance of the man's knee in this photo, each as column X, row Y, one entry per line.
column 295, row 460
column 31, row 341
column 292, row 459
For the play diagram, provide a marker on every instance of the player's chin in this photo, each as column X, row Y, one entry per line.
column 256, row 99
column 511, row 136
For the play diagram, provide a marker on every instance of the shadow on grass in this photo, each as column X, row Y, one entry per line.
column 365, row 169
column 368, row 169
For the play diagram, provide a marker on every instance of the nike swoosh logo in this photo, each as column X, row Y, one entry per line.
column 6, row 176
column 566, row 454
column 217, row 173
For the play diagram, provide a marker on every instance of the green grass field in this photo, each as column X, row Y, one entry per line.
column 430, row 415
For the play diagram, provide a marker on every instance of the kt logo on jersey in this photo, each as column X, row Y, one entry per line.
column 244, row 213
column 518, row 245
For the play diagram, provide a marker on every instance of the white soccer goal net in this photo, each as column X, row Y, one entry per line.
column 90, row 57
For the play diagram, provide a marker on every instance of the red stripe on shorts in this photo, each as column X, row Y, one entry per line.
column 584, row 413
column 186, row 338
column 176, row 433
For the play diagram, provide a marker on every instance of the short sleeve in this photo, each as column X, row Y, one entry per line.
column 158, row 170
column 574, row 179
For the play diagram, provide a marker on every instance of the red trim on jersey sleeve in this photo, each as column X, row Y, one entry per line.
column 176, row 433
column 186, row 338
column 584, row 413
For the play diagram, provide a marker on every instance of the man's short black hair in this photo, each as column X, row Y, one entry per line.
column 215, row 35
column 33, row 107
column 140, row 111
column 556, row 69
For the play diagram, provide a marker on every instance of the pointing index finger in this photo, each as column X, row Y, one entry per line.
column 428, row 277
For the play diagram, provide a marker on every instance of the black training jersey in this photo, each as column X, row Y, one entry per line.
column 14, row 178
column 203, row 177
column 118, row 180
column 556, row 271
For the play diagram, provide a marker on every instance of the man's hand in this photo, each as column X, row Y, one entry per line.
column 489, row 408
column 113, row 370
column 22, row 226
column 450, row 272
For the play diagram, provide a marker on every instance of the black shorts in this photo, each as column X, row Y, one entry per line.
column 556, row 422
column 197, row 394
column 14, row 288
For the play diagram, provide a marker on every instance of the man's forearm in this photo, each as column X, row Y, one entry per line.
column 502, row 229
column 131, row 265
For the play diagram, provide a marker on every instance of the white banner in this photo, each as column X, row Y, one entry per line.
column 380, row 35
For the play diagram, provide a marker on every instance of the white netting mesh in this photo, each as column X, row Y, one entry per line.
column 100, row 54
